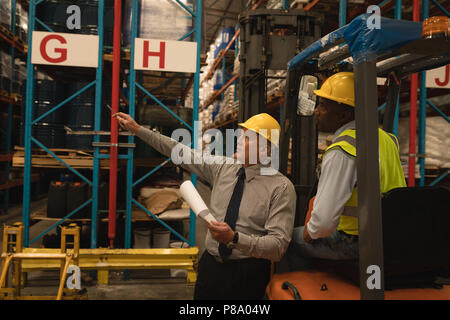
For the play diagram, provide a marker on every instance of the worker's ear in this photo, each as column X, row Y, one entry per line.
column 347, row 114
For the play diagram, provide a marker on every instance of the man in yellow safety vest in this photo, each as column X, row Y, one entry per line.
column 331, row 232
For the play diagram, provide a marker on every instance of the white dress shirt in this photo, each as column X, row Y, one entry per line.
column 336, row 183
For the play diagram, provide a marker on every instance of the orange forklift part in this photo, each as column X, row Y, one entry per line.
column 435, row 27
column 319, row 285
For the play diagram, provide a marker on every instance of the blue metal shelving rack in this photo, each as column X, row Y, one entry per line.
column 29, row 140
column 94, row 181
column 7, row 164
column 194, row 129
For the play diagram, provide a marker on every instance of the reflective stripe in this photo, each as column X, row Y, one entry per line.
column 350, row 140
column 394, row 139
column 350, row 212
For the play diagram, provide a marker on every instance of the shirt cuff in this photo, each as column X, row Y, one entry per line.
column 312, row 235
column 244, row 242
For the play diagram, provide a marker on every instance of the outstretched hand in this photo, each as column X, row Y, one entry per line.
column 127, row 122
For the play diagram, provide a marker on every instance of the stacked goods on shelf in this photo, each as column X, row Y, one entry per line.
column 54, row 14
column 3, row 126
column 21, row 27
column 156, row 117
column 223, row 39
column 159, row 19
column 5, row 72
column 227, row 106
column 216, row 110
column 49, row 130
column 80, row 115
column 236, row 66
column 20, row 75
column 77, row 114
column 274, row 4
column 275, row 87
column 206, row 116
column 437, row 144
column 66, row 196
column 207, row 86
column 206, row 89
column 5, row 13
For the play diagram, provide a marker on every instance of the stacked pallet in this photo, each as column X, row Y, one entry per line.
column 275, row 87
column 227, row 106
column 74, row 158
column 437, row 144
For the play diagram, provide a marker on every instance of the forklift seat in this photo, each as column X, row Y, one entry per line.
column 416, row 244
column 416, row 237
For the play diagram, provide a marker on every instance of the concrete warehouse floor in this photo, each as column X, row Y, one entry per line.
column 142, row 285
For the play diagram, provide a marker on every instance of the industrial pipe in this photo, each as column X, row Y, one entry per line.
column 413, row 113
column 114, row 123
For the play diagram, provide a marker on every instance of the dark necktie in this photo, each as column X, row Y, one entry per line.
column 233, row 210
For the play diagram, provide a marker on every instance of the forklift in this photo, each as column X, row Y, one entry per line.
column 404, row 238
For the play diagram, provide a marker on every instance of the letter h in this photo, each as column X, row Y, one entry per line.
column 161, row 54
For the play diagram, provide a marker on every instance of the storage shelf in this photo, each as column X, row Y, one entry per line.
column 223, row 123
column 137, row 215
column 8, row 99
column 18, row 182
column 74, row 158
column 13, row 41
column 217, row 93
column 151, row 162
column 6, row 157
column 229, row 57
column 220, row 56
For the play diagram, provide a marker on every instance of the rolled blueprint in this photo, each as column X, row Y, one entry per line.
column 192, row 197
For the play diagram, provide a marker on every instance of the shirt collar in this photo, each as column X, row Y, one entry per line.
column 252, row 171
column 349, row 125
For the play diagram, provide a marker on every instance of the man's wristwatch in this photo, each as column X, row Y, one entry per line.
column 232, row 243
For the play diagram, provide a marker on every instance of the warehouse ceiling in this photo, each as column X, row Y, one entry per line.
column 224, row 13
column 217, row 15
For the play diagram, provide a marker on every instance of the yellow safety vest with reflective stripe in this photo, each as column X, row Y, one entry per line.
column 391, row 172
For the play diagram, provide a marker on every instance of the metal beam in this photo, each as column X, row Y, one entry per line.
column 391, row 104
column 368, row 172
column 116, row 259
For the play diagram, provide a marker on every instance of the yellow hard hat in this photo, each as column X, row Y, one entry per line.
column 263, row 121
column 340, row 87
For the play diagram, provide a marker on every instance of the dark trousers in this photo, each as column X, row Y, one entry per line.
column 244, row 279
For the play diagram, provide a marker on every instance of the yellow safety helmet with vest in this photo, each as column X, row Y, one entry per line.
column 340, row 87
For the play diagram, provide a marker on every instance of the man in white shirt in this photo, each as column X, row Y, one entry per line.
column 332, row 230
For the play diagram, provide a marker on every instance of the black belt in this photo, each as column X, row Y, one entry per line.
column 242, row 260
column 351, row 237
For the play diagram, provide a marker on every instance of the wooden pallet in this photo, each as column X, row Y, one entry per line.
column 74, row 158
